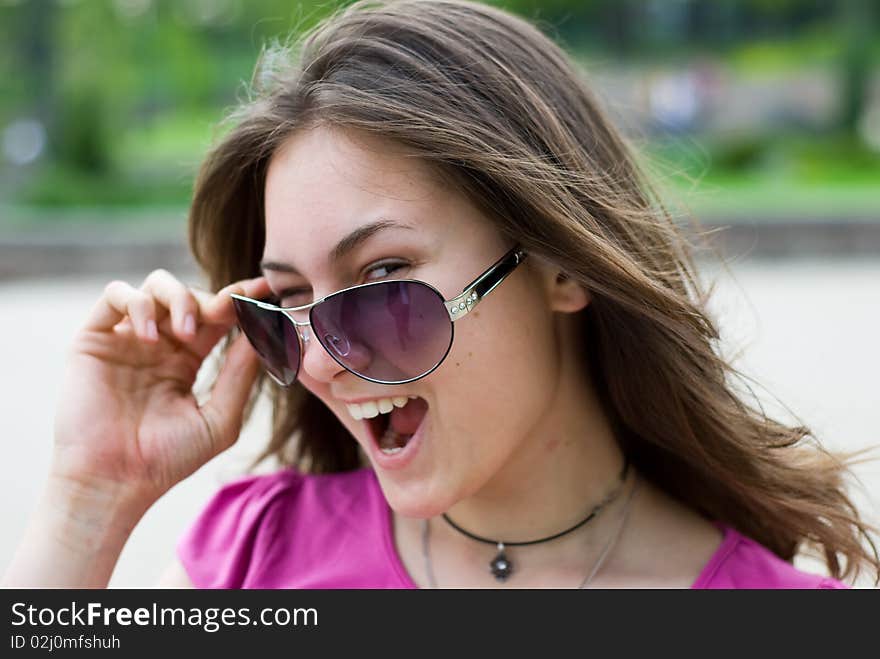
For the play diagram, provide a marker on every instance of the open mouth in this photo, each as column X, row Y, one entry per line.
column 393, row 430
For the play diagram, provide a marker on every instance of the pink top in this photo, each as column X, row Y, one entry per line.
column 290, row 530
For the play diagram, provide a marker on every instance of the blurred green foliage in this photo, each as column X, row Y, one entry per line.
column 130, row 90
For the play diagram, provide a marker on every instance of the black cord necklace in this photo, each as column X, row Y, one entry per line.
column 501, row 566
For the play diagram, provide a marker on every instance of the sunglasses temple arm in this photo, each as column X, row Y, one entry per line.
column 464, row 302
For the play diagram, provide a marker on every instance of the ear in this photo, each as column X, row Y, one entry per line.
column 568, row 295
column 563, row 292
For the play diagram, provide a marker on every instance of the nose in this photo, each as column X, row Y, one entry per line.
column 316, row 361
column 320, row 356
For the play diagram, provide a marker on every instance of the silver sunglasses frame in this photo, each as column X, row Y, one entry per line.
column 457, row 308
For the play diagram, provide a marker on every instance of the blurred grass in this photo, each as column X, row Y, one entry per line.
column 60, row 187
column 755, row 177
column 762, row 199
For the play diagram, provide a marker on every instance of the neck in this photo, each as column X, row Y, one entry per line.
column 591, row 515
column 567, row 463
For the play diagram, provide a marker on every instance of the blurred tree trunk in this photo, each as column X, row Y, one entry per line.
column 857, row 21
column 620, row 23
column 36, row 42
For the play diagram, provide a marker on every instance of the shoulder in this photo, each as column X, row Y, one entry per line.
column 741, row 562
column 674, row 546
column 274, row 519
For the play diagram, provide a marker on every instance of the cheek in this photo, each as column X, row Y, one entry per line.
column 508, row 339
column 321, row 390
column 502, row 367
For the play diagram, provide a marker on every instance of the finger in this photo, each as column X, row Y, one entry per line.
column 178, row 299
column 121, row 300
column 124, row 326
column 206, row 339
column 203, row 295
column 220, row 309
column 224, row 410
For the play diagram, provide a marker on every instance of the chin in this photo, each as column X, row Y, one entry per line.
column 413, row 498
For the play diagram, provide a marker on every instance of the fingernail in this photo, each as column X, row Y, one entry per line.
column 189, row 324
column 152, row 330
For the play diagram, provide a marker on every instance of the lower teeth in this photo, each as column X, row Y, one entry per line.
column 390, row 443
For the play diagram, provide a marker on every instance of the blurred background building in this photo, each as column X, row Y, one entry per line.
column 760, row 117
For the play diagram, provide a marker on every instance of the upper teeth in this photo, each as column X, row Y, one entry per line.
column 370, row 408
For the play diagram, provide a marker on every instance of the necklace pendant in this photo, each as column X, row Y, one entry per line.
column 501, row 567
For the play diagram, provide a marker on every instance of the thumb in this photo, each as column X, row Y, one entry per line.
column 223, row 411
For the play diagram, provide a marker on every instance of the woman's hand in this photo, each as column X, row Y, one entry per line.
column 128, row 426
column 128, row 421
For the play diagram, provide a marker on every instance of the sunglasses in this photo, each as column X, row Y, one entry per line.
column 389, row 332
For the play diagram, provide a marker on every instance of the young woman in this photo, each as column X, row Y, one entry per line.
column 488, row 352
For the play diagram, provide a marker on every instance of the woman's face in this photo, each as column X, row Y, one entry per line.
column 488, row 395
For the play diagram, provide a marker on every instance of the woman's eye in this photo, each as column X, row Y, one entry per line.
column 293, row 297
column 383, row 270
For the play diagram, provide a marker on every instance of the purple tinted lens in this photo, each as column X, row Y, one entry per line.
column 390, row 331
column 274, row 338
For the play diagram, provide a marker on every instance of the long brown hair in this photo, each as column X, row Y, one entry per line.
column 490, row 102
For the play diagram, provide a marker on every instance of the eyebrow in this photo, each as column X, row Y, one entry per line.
column 344, row 246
